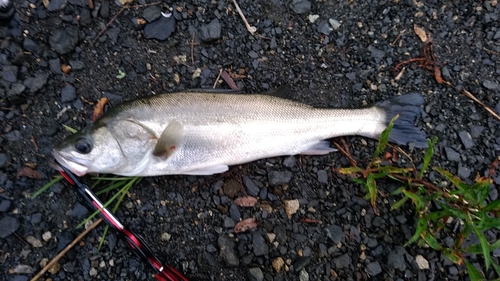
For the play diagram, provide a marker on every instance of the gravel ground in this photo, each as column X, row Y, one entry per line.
column 331, row 53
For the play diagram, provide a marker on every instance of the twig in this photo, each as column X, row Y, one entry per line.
column 397, row 37
column 472, row 97
column 250, row 28
column 346, row 154
column 63, row 252
column 119, row 12
column 217, row 79
column 91, row 4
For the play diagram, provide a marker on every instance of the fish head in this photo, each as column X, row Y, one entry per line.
column 91, row 150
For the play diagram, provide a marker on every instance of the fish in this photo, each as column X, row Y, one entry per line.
column 203, row 133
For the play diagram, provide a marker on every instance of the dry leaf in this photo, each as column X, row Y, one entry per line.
column 420, row 33
column 28, row 172
column 99, row 108
column 245, row 225
column 437, row 75
column 246, row 201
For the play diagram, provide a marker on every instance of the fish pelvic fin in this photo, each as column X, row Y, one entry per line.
column 169, row 140
column 409, row 108
column 318, row 148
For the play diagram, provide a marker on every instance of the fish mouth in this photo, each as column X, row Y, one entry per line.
column 75, row 167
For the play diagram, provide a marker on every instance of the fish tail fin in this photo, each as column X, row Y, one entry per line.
column 409, row 108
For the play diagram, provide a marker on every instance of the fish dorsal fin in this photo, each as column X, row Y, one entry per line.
column 169, row 140
column 216, row 91
column 281, row 92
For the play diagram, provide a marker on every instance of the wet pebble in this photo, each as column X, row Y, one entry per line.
column 463, row 171
column 342, row 261
column 422, row 263
column 151, row 13
column 227, row 253
column 55, row 66
column 9, row 73
column 234, row 213
column 279, row 177
column 335, row 233
column 36, row 218
column 211, row 31
column 13, row 136
column 4, row 159
column 289, row 161
column 76, row 65
column 34, row 242
column 8, row 225
column 466, row 139
column 280, row 232
column 396, row 259
column 300, row 262
column 259, row 244
column 324, row 27
column 68, row 93
column 5, row 205
column 490, row 85
column 322, row 176
column 55, row 5
column 23, row 269
column 251, row 188
column 36, row 83
column 334, row 23
column 79, row 211
column 160, row 29
column 300, row 6
column 451, row 154
column 303, row 275
column 255, row 274
column 373, row 268
column 64, row 40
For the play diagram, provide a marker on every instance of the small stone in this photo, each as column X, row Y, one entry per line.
column 23, row 269
column 30, row 45
column 64, row 40
column 151, row 13
column 313, row 18
column 270, row 237
column 76, row 65
column 228, row 222
column 322, row 176
column 334, row 23
column 303, row 275
column 466, row 139
column 300, row 262
column 255, row 274
column 231, row 188
column 34, row 242
column 13, row 136
column 227, row 253
column 165, row 236
column 8, row 225
column 4, row 206
column 490, row 85
column 280, row 232
column 161, row 28
column 451, row 154
column 463, row 171
column 373, row 268
column 79, row 211
column 260, row 247
column 421, row 262
column 55, row 268
column 279, row 177
column 300, row 6
column 324, row 28
column 55, row 66
column 55, row 5
column 291, row 207
column 197, row 73
column 4, row 159
column 211, row 31
column 251, row 187
column 289, row 162
column 68, row 93
column 46, row 236
column 36, row 83
column 342, row 261
column 278, row 264
column 396, row 259
column 93, row 272
column 335, row 233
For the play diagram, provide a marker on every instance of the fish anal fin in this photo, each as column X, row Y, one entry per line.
column 216, row 169
column 169, row 140
column 318, row 148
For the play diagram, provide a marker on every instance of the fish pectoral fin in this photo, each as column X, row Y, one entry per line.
column 216, row 169
column 318, row 148
column 169, row 140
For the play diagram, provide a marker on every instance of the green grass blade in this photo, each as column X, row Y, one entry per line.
column 384, row 139
column 69, row 129
column 469, row 194
column 454, row 257
column 421, row 226
column 399, row 203
column 474, row 274
column 485, row 248
column 371, row 184
column 415, row 198
column 103, row 236
column 431, row 241
column 492, row 206
column 496, row 267
column 428, row 155
column 47, row 186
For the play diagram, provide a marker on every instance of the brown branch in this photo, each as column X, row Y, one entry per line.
column 346, row 154
column 63, row 252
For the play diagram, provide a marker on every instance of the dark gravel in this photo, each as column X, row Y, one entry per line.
column 331, row 53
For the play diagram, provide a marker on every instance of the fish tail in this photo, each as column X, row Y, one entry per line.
column 409, row 108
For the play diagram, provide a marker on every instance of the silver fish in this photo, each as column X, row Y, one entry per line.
column 196, row 133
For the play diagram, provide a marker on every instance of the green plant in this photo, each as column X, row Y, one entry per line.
column 437, row 204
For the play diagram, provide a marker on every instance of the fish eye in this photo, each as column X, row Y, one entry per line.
column 83, row 146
